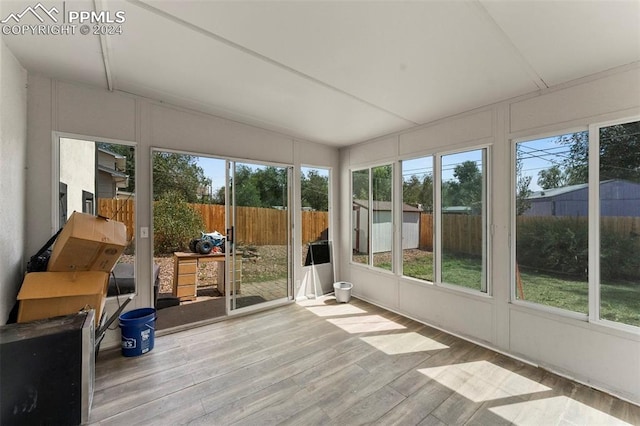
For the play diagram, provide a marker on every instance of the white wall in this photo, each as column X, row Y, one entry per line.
column 602, row 357
column 78, row 171
column 83, row 111
column 13, row 137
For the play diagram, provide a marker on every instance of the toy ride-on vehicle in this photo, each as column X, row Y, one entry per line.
column 207, row 243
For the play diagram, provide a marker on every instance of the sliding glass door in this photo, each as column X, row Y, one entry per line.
column 258, row 242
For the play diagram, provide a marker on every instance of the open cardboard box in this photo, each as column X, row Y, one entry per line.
column 51, row 294
column 88, row 243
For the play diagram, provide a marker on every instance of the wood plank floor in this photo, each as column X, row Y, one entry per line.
column 320, row 363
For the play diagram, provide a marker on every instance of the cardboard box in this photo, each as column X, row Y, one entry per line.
column 51, row 294
column 88, row 243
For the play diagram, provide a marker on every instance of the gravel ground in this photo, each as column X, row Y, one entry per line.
column 265, row 261
column 259, row 262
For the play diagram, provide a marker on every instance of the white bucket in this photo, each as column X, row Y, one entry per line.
column 342, row 291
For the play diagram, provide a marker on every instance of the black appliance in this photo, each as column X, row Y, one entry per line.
column 47, row 371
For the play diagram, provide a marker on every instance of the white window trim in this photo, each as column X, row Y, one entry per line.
column 594, row 226
column 369, row 264
column 512, row 238
column 486, row 288
column 593, row 304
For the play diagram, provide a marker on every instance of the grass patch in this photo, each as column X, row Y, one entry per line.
column 458, row 270
column 563, row 293
column 620, row 301
column 264, row 263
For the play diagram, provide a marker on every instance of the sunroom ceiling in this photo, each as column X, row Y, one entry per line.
column 337, row 72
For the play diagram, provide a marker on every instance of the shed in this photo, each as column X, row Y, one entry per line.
column 382, row 229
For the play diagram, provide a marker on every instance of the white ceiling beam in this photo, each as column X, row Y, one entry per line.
column 509, row 45
column 104, row 46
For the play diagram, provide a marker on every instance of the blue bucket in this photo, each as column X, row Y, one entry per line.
column 138, row 331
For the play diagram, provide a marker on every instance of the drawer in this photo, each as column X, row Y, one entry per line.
column 186, row 291
column 188, row 279
column 187, row 268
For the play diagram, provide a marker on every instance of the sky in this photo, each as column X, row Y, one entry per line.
column 536, row 155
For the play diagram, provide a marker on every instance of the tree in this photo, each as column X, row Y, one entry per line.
column 261, row 187
column 381, row 183
column 271, row 183
column 411, row 190
column 174, row 223
column 522, row 187
column 180, row 173
column 619, row 154
column 418, row 192
column 553, row 177
column 576, row 164
column 314, row 190
column 246, row 192
column 360, row 184
column 466, row 189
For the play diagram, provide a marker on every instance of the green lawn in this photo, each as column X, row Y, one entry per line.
column 619, row 301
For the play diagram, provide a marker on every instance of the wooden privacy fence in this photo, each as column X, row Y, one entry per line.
column 262, row 226
column 463, row 233
column 254, row 225
column 460, row 233
column 120, row 210
column 426, row 232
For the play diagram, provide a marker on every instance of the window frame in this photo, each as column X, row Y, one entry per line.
column 486, row 286
column 593, row 276
column 56, row 216
column 594, row 305
column 399, row 206
column 513, row 228
column 369, row 264
column 329, row 202
column 486, row 289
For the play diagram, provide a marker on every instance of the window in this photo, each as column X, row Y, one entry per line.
column 417, row 218
column 314, row 195
column 382, row 217
column 62, row 204
column 552, row 221
column 463, row 219
column 444, row 233
column 87, row 202
column 360, row 216
column 577, row 219
column 619, row 227
column 372, row 214
column 98, row 178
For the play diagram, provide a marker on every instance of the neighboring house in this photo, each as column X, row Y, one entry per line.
column 82, row 181
column 383, row 226
column 111, row 173
column 617, row 198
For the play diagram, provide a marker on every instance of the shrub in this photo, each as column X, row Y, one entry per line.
column 619, row 257
column 560, row 245
column 175, row 223
column 554, row 245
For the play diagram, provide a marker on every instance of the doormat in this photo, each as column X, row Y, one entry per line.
column 199, row 311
